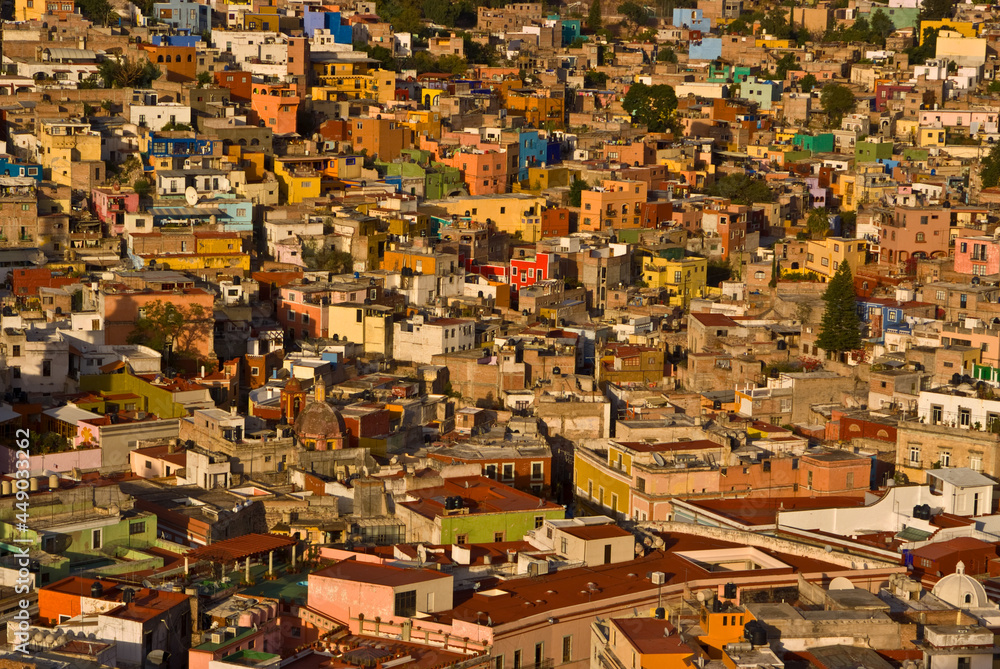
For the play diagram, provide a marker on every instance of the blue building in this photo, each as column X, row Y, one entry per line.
column 9, row 169
column 709, row 48
column 691, row 19
column 553, row 153
column 314, row 20
column 179, row 146
column 237, row 214
column 764, row 92
column 882, row 315
column 176, row 40
column 532, row 151
column 184, row 16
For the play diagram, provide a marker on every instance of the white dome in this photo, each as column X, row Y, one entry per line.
column 960, row 590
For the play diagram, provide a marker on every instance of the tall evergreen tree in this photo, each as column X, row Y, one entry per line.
column 840, row 329
column 594, row 21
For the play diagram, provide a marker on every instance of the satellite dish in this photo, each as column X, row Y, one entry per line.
column 658, row 459
column 191, row 196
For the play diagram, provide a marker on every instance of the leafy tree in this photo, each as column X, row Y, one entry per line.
column 926, row 49
column 840, row 328
column 848, row 223
column 594, row 20
column 576, row 189
column 328, row 259
column 785, row 63
column 453, row 64
column 594, row 79
column 807, row 83
column 836, row 100
column 775, row 23
column 91, row 82
column 481, row 54
column 881, row 26
column 204, row 79
column 383, row 55
column 441, row 11
column 990, row 169
column 634, row 13
column 818, row 223
column 742, row 189
column 141, row 186
column 775, row 272
column 651, row 106
column 98, row 11
column 666, row 55
column 127, row 73
column 577, row 43
column 935, row 10
column 172, row 327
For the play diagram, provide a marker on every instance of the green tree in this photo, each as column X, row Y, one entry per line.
column 935, row 10
column 576, row 189
column 634, row 13
column 441, row 11
column 990, row 169
column 807, row 83
column 926, row 49
column 594, row 20
column 840, row 329
column 98, row 11
column 204, row 79
column 141, row 186
column 742, row 189
column 91, row 82
column 848, row 223
column 452, row 63
column 172, row 328
column 481, row 54
column 836, row 100
column 594, row 79
column 380, row 53
column 785, row 63
column 818, row 223
column 128, row 73
column 666, row 55
column 881, row 27
column 327, row 260
column 775, row 23
column 651, row 106
column 775, row 272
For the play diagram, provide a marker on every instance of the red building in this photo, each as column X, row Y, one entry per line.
column 555, row 222
column 938, row 559
column 111, row 205
column 26, row 282
column 365, row 421
column 240, row 84
column 527, row 468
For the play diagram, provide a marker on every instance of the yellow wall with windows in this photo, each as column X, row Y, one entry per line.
column 603, row 486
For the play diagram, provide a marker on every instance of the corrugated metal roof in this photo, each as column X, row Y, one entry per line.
column 237, row 548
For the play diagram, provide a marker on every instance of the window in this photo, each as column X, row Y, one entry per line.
column 406, row 603
column 976, row 463
column 137, row 528
column 16, row 350
column 850, row 480
column 640, row 484
column 497, row 537
column 539, row 521
column 517, row 659
column 508, row 471
column 536, row 471
column 358, row 316
column 809, row 478
column 46, row 368
column 96, row 539
column 964, row 417
column 567, row 648
column 946, row 458
column 914, row 455
column 498, row 662
column 936, row 413
column 964, row 662
column 15, row 372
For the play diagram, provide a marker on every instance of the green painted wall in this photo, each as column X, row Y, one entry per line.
column 481, row 527
column 158, row 401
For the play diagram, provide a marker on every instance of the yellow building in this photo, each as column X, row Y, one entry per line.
column 380, row 85
column 963, row 28
column 424, row 123
column 266, row 19
column 685, row 278
column 931, row 137
column 642, row 644
column 605, row 486
column 339, row 77
column 823, row 256
column 64, row 142
column 514, row 213
column 542, row 178
column 537, row 110
column 297, row 181
column 367, row 324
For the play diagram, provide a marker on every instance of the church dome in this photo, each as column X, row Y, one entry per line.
column 961, row 590
column 319, row 422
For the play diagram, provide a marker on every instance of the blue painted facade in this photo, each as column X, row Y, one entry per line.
column 313, row 21
column 239, row 214
column 553, row 153
column 709, row 48
column 179, row 146
column 692, row 19
column 176, row 40
column 9, row 169
column 532, row 152
column 185, row 16
column 887, row 315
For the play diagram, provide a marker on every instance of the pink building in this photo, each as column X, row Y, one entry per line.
column 979, row 255
column 348, row 588
column 484, row 172
column 111, row 205
column 225, row 641
column 914, row 232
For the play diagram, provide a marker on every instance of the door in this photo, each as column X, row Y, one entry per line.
column 607, row 554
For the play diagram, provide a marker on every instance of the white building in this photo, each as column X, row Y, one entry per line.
column 156, row 116
column 960, row 407
column 417, row 339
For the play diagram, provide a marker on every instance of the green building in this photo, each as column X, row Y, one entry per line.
column 822, row 143
column 872, row 152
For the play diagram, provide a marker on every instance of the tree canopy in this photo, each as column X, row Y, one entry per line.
column 935, row 10
column 164, row 325
column 989, row 171
column 836, row 100
column 126, row 73
column 742, row 189
column 807, row 83
column 652, row 106
column 840, row 329
column 634, row 13
column 576, row 191
column 594, row 20
column 818, row 222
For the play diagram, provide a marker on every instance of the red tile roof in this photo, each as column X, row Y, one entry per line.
column 238, row 548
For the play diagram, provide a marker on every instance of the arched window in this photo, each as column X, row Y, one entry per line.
column 159, row 59
column 968, row 598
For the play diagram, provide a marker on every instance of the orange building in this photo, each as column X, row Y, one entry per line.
column 484, row 172
column 276, row 105
column 240, row 84
column 123, row 307
column 537, row 110
column 555, row 222
column 382, row 137
column 178, row 63
column 615, row 204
